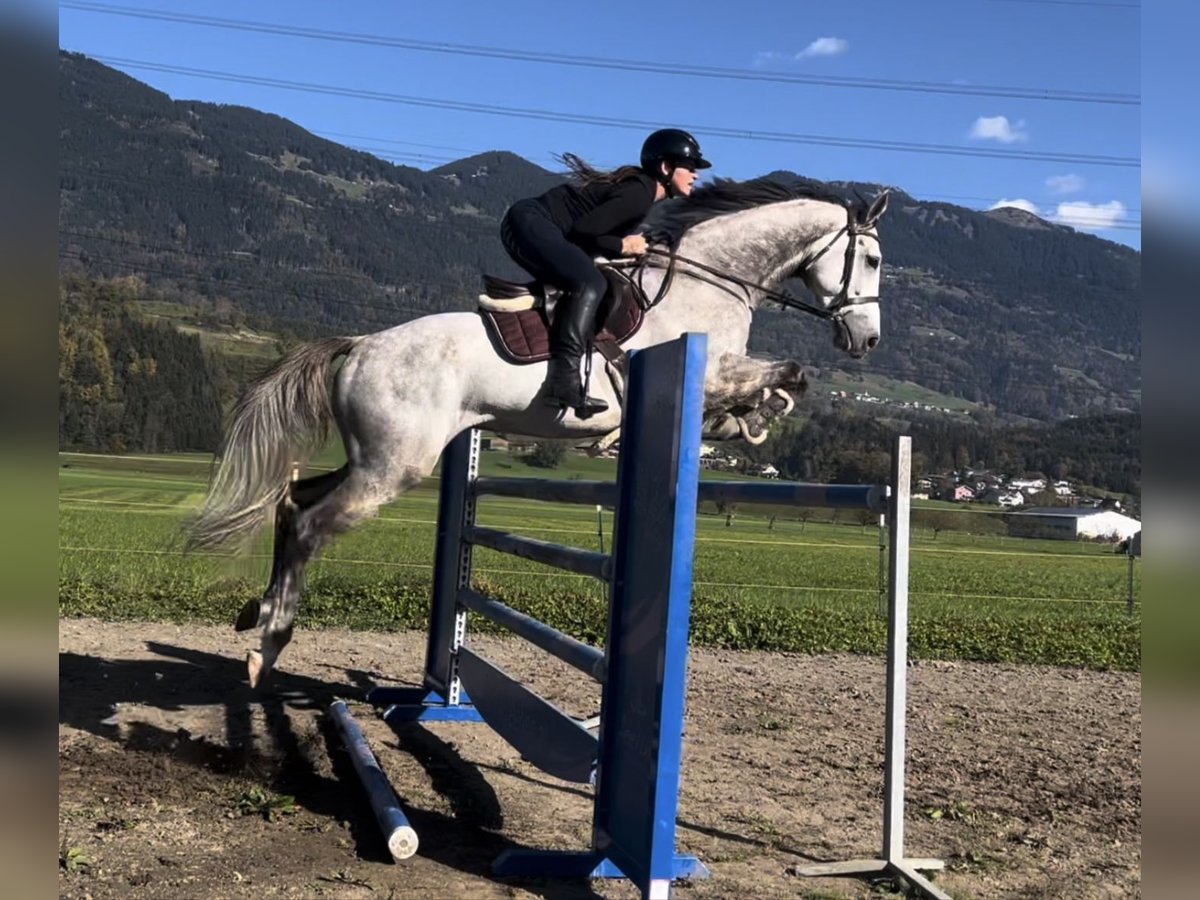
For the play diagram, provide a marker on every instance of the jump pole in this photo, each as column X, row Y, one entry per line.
column 400, row 836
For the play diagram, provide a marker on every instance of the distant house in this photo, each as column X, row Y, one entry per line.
column 1072, row 523
column 1063, row 489
column 963, row 493
column 1002, row 497
column 1028, row 485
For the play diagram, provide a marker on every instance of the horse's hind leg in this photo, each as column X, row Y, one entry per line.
column 309, row 527
column 301, row 495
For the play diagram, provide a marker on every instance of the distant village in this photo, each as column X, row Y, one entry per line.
column 868, row 397
column 1032, row 505
column 981, row 486
column 1040, row 507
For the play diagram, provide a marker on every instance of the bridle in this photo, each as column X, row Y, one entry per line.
column 835, row 311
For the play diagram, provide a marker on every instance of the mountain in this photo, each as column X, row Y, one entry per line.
column 211, row 203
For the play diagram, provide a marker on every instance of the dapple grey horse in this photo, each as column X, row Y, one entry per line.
column 401, row 395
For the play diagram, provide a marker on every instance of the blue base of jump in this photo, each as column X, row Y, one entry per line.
column 578, row 864
column 421, row 705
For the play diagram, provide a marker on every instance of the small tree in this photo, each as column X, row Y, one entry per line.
column 547, row 455
column 938, row 520
column 804, row 513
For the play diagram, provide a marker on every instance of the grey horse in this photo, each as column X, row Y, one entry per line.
column 401, row 395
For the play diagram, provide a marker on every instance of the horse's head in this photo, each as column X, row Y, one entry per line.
column 843, row 272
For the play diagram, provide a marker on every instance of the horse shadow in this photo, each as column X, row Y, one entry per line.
column 93, row 689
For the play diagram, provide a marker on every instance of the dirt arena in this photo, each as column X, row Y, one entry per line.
column 1025, row 780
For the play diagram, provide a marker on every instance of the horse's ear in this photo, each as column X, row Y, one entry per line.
column 877, row 208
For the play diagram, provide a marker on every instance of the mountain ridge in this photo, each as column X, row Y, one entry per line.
column 212, row 201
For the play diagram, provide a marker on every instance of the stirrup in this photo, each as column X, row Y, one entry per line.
column 591, row 406
column 583, row 408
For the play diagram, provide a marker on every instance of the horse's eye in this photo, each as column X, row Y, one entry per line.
column 874, row 261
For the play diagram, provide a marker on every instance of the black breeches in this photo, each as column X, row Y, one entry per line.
column 537, row 245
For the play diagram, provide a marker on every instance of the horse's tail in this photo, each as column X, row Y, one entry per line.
column 282, row 418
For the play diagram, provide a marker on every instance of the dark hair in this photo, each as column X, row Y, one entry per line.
column 583, row 174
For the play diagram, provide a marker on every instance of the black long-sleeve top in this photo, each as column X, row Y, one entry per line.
column 597, row 216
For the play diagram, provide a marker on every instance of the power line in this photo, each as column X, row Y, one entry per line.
column 912, row 192
column 633, row 124
column 185, row 185
column 627, row 65
column 387, row 156
column 1101, row 3
column 368, row 137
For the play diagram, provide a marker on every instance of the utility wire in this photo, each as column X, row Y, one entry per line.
column 1099, row 3
column 633, row 124
column 186, row 185
column 595, row 62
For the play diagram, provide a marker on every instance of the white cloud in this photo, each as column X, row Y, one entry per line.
column 826, row 46
column 998, row 128
column 767, row 57
column 1028, row 205
column 1066, row 184
column 1090, row 216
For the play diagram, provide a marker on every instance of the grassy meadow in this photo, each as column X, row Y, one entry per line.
column 785, row 585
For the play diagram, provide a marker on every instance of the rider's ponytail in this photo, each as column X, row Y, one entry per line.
column 582, row 173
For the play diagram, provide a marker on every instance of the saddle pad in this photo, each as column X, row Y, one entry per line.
column 522, row 336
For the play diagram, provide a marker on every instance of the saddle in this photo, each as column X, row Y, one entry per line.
column 517, row 315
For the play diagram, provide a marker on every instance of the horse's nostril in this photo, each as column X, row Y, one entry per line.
column 871, row 342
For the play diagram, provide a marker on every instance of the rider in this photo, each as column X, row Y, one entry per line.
column 556, row 236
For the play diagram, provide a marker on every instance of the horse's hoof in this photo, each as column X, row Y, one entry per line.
column 248, row 617
column 254, row 668
column 605, row 442
column 788, row 403
column 753, row 433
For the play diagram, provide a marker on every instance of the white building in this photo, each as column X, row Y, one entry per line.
column 1028, row 486
column 1072, row 523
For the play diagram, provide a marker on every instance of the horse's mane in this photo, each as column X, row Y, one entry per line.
column 669, row 220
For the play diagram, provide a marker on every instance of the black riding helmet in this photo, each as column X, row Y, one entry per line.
column 673, row 147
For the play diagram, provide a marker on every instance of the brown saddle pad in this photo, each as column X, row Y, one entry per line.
column 523, row 337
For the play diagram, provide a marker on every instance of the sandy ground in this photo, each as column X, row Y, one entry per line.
column 1025, row 780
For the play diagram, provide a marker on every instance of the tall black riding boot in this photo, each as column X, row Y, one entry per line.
column 570, row 339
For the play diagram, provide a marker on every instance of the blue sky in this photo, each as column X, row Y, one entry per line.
column 1046, row 45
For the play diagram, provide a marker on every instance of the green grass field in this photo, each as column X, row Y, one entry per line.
column 804, row 586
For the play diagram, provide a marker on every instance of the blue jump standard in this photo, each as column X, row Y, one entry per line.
column 579, row 864
column 421, row 705
column 634, row 761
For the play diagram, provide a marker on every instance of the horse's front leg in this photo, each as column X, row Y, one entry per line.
column 743, row 395
column 740, row 381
